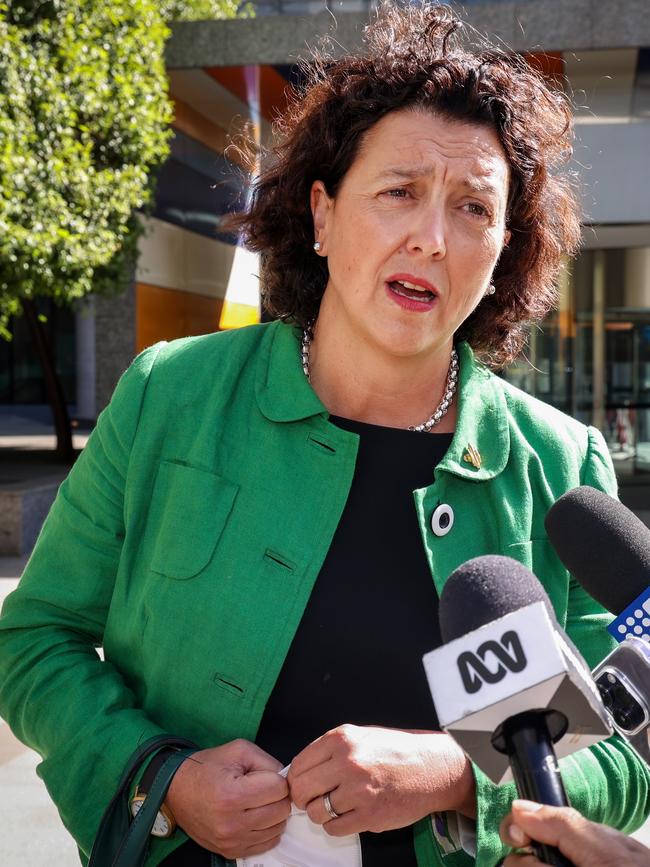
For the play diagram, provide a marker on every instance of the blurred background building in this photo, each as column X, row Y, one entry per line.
column 591, row 358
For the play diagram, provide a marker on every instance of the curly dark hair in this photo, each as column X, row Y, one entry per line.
column 413, row 58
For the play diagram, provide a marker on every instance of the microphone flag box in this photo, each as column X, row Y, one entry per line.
column 633, row 621
column 623, row 678
column 520, row 662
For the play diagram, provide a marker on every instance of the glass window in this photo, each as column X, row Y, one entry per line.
column 21, row 380
column 591, row 358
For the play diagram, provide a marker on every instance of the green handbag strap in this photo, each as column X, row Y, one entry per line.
column 135, row 844
column 116, row 820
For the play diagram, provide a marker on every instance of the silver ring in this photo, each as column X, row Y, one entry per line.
column 329, row 809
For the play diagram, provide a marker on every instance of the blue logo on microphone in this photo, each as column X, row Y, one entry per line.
column 634, row 621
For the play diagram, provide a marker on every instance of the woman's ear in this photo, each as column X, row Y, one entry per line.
column 321, row 205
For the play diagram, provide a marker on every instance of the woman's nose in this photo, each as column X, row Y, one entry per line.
column 427, row 234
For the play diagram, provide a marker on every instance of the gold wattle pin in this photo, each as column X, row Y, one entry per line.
column 472, row 456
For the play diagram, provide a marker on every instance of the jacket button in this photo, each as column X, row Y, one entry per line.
column 442, row 520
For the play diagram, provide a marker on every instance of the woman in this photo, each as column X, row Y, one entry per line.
column 239, row 533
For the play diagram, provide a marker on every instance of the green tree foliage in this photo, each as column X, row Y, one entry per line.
column 84, row 117
column 201, row 10
column 84, row 121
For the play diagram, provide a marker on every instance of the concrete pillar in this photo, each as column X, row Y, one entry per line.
column 85, row 359
column 637, row 277
column 598, row 342
column 114, row 341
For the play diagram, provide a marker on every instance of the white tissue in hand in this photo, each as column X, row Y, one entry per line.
column 306, row 844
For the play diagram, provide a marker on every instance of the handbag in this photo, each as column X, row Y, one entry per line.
column 123, row 841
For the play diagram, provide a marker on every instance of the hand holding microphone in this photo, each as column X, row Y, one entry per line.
column 586, row 843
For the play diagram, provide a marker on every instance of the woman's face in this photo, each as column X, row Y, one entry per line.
column 414, row 232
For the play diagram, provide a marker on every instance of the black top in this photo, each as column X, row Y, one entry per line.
column 357, row 654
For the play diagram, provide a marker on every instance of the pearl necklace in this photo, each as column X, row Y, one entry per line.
column 442, row 408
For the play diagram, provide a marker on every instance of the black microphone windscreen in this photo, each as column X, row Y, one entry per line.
column 485, row 589
column 602, row 544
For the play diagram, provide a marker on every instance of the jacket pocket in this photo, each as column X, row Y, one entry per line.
column 188, row 513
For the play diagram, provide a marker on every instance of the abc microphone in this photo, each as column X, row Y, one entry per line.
column 614, row 568
column 508, row 684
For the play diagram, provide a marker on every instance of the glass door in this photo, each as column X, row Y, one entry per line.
column 591, row 358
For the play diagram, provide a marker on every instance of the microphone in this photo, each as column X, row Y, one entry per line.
column 614, row 568
column 508, row 684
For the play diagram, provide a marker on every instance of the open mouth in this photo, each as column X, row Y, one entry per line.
column 409, row 290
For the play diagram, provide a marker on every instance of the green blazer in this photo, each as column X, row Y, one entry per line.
column 188, row 536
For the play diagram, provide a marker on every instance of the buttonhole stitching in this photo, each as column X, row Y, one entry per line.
column 222, row 681
column 278, row 560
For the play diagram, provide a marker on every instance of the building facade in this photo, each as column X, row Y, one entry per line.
column 591, row 358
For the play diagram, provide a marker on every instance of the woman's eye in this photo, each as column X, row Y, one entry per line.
column 477, row 209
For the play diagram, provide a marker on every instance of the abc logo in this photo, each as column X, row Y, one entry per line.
column 473, row 668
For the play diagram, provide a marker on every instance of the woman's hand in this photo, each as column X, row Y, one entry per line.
column 231, row 799
column 379, row 779
column 584, row 843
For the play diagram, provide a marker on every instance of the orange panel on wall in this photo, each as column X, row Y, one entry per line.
column 239, row 80
column 276, row 93
column 165, row 314
column 195, row 125
column 550, row 64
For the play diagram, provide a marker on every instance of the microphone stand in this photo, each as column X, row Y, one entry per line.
column 527, row 739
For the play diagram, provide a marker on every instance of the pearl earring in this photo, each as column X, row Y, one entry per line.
column 317, row 246
column 491, row 289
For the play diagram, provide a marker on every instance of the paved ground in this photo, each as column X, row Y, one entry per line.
column 33, row 835
column 30, row 429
